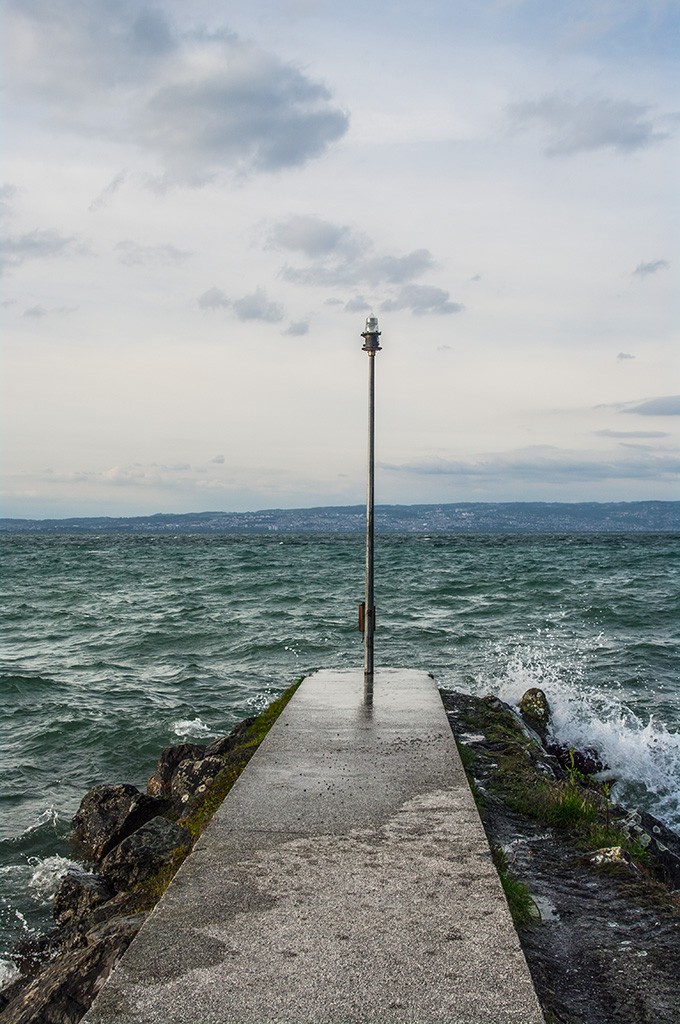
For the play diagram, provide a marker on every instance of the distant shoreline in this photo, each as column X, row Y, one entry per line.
column 460, row 517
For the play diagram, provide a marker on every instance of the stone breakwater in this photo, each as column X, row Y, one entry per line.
column 594, row 888
column 132, row 843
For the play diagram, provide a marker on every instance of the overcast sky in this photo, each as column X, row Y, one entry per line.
column 203, row 202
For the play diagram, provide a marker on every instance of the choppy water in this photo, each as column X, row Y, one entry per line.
column 117, row 646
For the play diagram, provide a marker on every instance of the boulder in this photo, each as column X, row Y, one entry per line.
column 78, row 894
column 65, row 989
column 224, row 744
column 160, row 782
column 535, row 711
column 193, row 778
column 586, row 762
column 107, row 814
column 139, row 856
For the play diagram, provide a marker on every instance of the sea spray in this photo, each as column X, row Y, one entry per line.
column 641, row 753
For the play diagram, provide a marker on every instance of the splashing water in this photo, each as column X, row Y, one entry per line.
column 47, row 873
column 191, row 729
column 641, row 753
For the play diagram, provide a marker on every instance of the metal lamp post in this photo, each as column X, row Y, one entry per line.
column 370, row 347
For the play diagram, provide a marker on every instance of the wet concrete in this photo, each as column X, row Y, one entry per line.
column 345, row 878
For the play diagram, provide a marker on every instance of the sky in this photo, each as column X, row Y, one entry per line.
column 202, row 203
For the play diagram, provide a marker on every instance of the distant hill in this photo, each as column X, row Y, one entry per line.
column 464, row 517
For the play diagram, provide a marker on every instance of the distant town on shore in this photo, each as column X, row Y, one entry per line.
column 463, row 517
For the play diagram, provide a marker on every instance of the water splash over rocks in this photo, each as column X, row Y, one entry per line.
column 606, row 949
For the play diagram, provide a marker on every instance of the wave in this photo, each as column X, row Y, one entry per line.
column 641, row 752
column 47, row 873
column 193, row 729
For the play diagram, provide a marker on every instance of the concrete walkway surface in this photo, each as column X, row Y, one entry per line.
column 346, row 878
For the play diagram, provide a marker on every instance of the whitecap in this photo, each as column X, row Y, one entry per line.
column 191, row 728
column 642, row 755
column 8, row 972
column 47, row 873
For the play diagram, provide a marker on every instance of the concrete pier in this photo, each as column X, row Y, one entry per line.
column 346, row 878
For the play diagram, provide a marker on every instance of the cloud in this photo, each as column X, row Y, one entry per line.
column 628, row 434
column 645, row 269
column 624, row 355
column 357, row 305
column 257, row 306
column 218, row 460
column 667, row 406
column 341, row 256
column 202, row 102
column 38, row 312
column 132, row 254
column 297, row 328
column 239, row 109
column 214, row 298
column 315, row 237
column 421, row 299
column 547, row 464
column 7, row 194
column 576, row 126
column 35, row 245
column 105, row 196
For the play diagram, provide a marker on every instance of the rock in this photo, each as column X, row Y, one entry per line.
column 662, row 845
column 535, row 710
column 139, row 856
column 107, row 814
column 586, row 762
column 78, row 894
column 193, row 778
column 160, row 782
column 224, row 744
column 64, row 990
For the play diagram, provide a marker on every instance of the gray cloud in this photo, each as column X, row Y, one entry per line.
column 297, row 328
column 341, row 256
column 133, row 254
column 548, row 465
column 666, row 406
column 250, row 113
column 214, row 298
column 644, row 269
column 421, row 299
column 357, row 305
column 624, row 355
column 627, row 434
column 38, row 312
column 315, row 237
column 257, row 306
column 106, row 195
column 203, row 102
column 575, row 126
column 35, row 245
column 7, row 194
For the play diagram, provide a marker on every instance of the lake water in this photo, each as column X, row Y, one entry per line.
column 114, row 647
